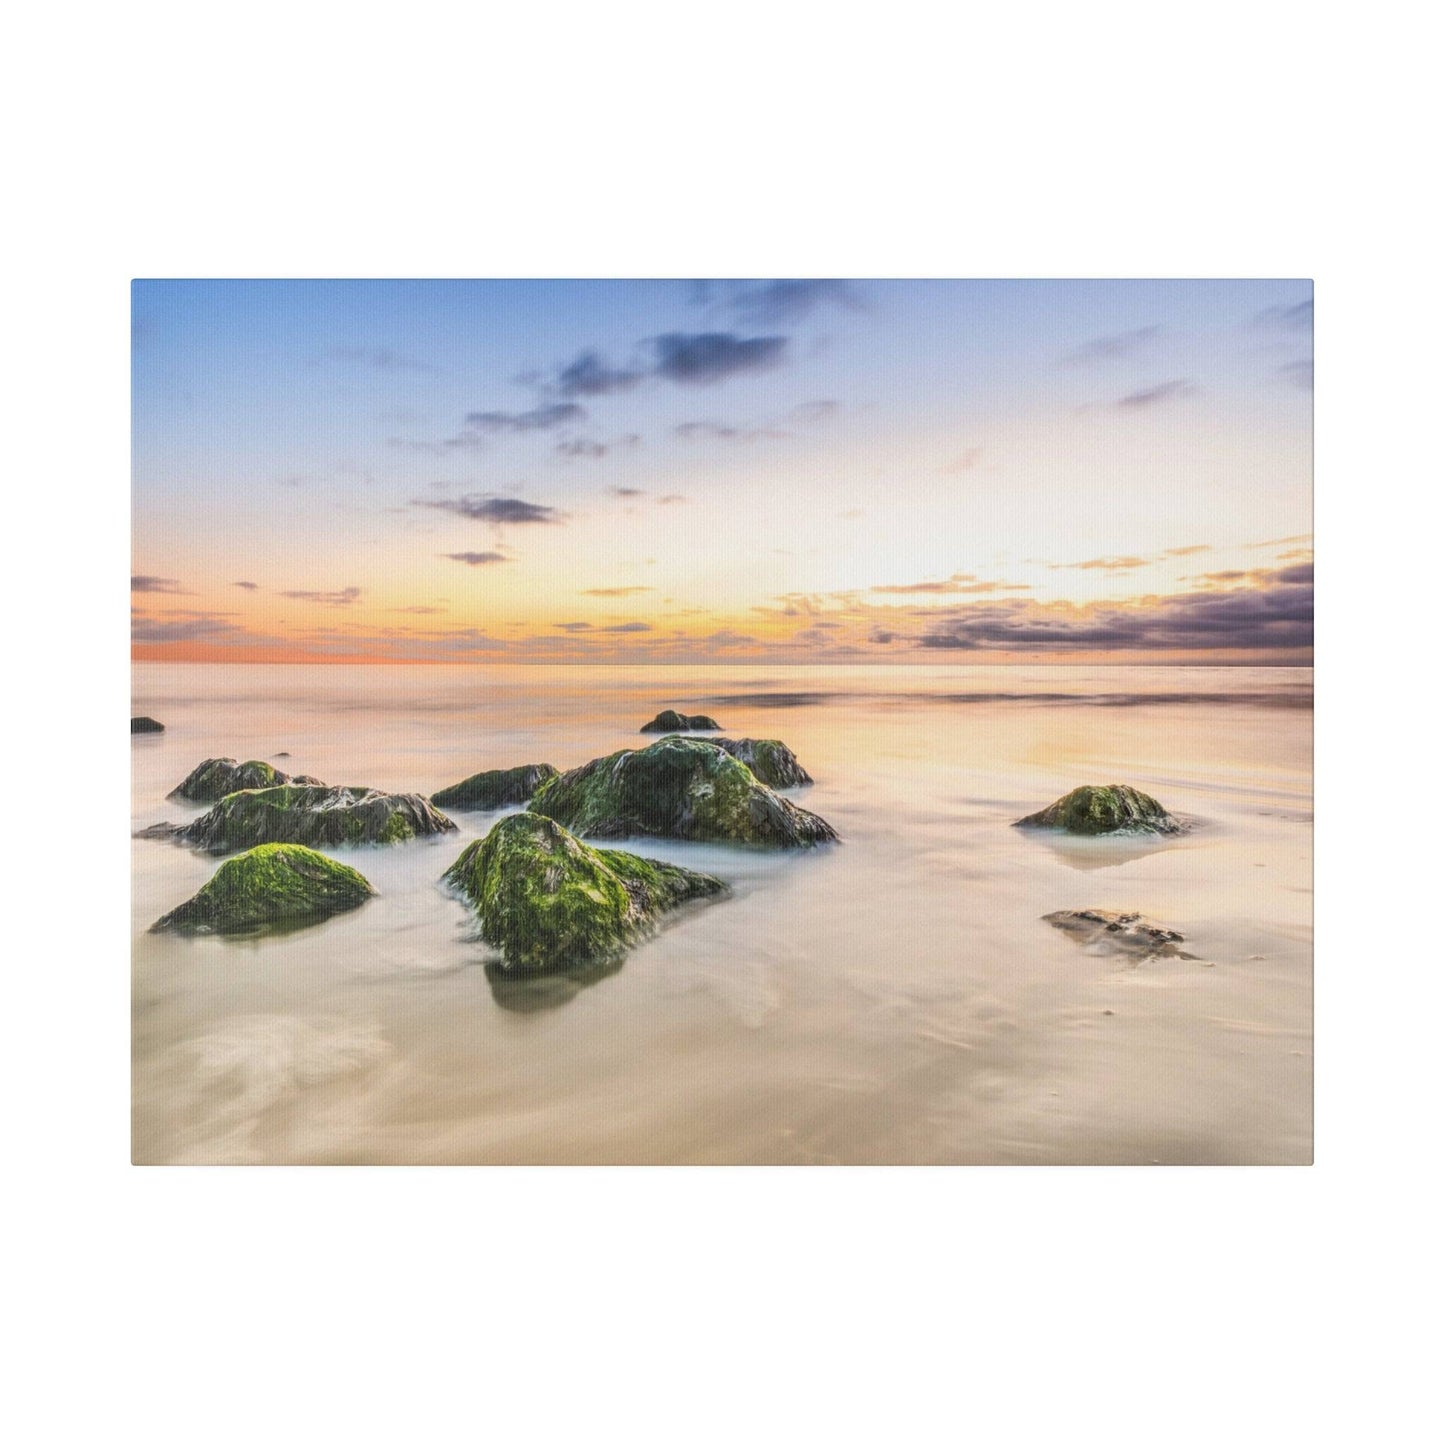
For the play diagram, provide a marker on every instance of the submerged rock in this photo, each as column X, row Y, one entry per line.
column 1101, row 932
column 316, row 816
column 1093, row 810
column 677, row 788
column 277, row 884
column 497, row 788
column 677, row 722
column 146, row 725
column 772, row 762
column 549, row 902
column 210, row 781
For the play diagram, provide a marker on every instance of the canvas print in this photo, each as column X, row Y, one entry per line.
column 801, row 721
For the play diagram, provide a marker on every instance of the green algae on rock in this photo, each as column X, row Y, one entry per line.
column 146, row 725
column 497, row 788
column 677, row 722
column 1131, row 934
column 772, row 762
column 210, row 781
column 275, row 885
column 1093, row 810
column 318, row 817
column 686, row 788
column 549, row 902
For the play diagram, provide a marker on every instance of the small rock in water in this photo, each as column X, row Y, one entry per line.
column 146, row 725
column 1094, row 810
column 210, row 781
column 772, row 762
column 497, row 788
column 1130, row 934
column 676, row 722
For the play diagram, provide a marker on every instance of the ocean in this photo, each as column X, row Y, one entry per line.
column 894, row 999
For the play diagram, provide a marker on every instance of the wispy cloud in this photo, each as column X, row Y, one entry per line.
column 547, row 417
column 782, row 303
column 158, row 584
column 614, row 591
column 1299, row 317
column 1103, row 564
column 476, row 559
column 248, row 586
column 590, row 375
column 960, row 582
column 1152, row 395
column 1115, row 347
column 489, row 508
column 343, row 598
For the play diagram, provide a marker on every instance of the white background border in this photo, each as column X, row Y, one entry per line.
column 1113, row 140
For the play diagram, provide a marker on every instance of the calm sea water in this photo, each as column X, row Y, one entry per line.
column 895, row 999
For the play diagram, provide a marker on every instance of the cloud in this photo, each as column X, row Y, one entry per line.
column 158, row 584
column 590, row 375
column 815, row 411
column 1299, row 317
column 614, row 591
column 573, row 626
column 1102, row 564
column 704, row 358
column 380, row 358
column 722, row 431
column 779, row 303
column 1301, row 373
column 627, row 627
column 1112, row 348
column 1153, row 395
column 344, row 598
column 1189, row 551
column 249, row 586
column 1275, row 615
column 187, row 628
column 546, row 417
column 671, row 499
column 419, row 611
column 581, row 447
column 958, row 583
column 489, row 508
column 475, row 559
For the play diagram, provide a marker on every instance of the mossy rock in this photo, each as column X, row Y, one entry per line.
column 318, row 817
column 498, row 788
column 278, row 885
column 549, row 902
column 677, row 788
column 1101, row 932
column 1093, row 810
column 677, row 722
column 146, row 725
column 210, row 781
column 771, row 762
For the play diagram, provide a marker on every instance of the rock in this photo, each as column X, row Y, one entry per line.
column 772, row 762
column 318, row 817
column 676, row 722
column 1095, row 810
column 275, row 884
column 677, row 788
column 1131, row 934
column 499, row 788
column 210, row 781
column 146, row 725
column 549, row 902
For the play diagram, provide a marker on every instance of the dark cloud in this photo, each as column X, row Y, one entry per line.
column 627, row 627
column 628, row 492
column 1301, row 373
column 546, row 417
column 249, row 586
column 581, row 447
column 1276, row 615
column 488, row 508
column 1111, row 348
column 158, row 584
column 614, row 591
column 1153, row 395
column 344, row 598
column 476, row 559
column 779, row 303
column 1299, row 317
column 705, row 357
column 380, row 358
column 189, row 627
column 590, row 375
column 573, row 626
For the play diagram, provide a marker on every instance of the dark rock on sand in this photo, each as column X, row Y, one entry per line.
column 146, row 725
column 318, row 817
column 549, row 902
column 1095, row 810
column 278, row 885
column 677, row 788
column 677, row 722
column 498, row 788
column 1131, row 934
column 210, row 781
column 772, row 762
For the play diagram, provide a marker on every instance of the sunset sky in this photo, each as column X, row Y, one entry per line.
column 677, row 471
